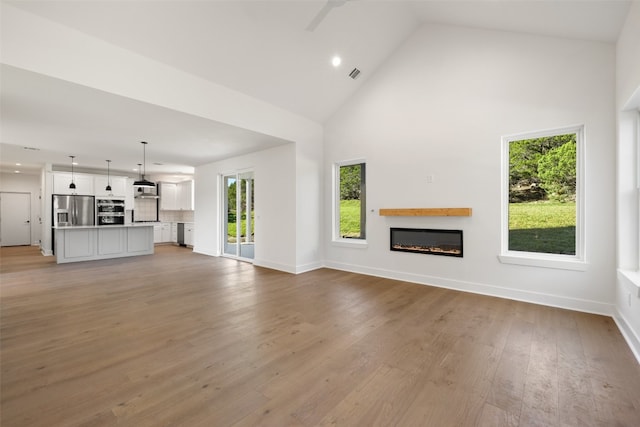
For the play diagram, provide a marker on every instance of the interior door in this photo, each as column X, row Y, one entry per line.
column 238, row 215
column 15, row 219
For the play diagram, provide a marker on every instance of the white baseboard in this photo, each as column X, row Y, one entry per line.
column 205, row 252
column 309, row 267
column 587, row 306
column 628, row 333
column 274, row 266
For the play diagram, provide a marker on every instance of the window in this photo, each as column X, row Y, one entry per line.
column 542, row 199
column 350, row 201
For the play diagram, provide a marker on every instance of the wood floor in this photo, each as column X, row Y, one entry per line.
column 180, row 339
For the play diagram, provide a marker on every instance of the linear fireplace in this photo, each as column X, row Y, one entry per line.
column 427, row 241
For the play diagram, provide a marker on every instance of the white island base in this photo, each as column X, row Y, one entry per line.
column 86, row 243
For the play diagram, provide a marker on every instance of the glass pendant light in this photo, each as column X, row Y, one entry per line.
column 73, row 184
column 108, row 187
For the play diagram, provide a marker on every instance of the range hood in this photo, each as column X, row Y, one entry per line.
column 145, row 193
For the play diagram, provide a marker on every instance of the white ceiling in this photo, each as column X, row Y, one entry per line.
column 62, row 118
column 259, row 48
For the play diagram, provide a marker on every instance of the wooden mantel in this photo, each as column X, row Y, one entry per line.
column 426, row 212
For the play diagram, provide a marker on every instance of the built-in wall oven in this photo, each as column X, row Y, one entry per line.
column 110, row 211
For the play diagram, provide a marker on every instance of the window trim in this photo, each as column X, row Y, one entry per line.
column 577, row 262
column 336, row 239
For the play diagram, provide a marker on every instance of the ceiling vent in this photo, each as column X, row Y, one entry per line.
column 354, row 73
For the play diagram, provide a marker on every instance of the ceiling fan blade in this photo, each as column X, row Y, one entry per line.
column 324, row 12
column 320, row 16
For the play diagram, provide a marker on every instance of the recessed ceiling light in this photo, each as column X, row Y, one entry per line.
column 336, row 61
column 16, row 171
column 74, row 163
column 18, row 164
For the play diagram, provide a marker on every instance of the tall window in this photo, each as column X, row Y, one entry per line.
column 350, row 219
column 542, row 201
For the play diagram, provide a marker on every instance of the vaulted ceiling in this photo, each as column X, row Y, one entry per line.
column 263, row 49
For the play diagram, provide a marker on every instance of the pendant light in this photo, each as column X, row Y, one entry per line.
column 108, row 187
column 143, row 182
column 73, row 184
column 139, row 177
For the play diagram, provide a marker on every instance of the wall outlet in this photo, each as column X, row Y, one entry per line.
column 430, row 179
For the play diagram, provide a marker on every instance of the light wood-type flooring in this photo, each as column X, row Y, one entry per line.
column 181, row 339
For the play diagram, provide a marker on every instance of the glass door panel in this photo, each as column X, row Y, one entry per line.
column 246, row 238
column 238, row 215
column 230, row 235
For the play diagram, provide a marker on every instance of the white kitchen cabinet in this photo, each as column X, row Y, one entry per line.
column 168, row 196
column 89, row 243
column 166, row 232
column 129, row 198
column 157, row 233
column 189, row 231
column 184, row 197
column 61, row 181
column 174, row 232
column 118, row 186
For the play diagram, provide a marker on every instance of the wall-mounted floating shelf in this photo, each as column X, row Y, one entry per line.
column 426, row 212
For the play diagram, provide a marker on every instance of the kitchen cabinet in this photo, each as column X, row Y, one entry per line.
column 174, row 232
column 157, row 233
column 61, row 181
column 168, row 196
column 162, row 232
column 166, row 232
column 189, row 231
column 184, row 196
column 129, row 198
column 94, row 242
column 118, row 186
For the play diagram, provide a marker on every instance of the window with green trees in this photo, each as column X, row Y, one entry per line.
column 542, row 192
column 351, row 204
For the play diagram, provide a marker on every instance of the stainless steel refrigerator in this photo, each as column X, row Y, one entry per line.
column 73, row 210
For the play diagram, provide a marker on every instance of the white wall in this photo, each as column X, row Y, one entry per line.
column 439, row 106
column 628, row 102
column 275, row 205
column 25, row 183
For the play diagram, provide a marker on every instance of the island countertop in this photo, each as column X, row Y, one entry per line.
column 78, row 227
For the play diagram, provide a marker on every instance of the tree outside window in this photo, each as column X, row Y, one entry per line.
column 542, row 215
column 351, row 212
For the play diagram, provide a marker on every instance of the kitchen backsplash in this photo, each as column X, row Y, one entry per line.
column 176, row 216
column 146, row 210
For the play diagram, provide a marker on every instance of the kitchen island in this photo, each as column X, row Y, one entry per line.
column 89, row 242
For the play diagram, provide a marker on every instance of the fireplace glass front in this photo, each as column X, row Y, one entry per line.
column 427, row 241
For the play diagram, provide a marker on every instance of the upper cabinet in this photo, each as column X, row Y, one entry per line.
column 118, row 186
column 94, row 185
column 83, row 182
column 176, row 197
column 168, row 196
column 185, row 195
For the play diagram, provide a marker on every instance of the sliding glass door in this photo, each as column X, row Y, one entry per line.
column 238, row 215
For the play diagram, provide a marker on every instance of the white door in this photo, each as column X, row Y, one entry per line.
column 15, row 219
